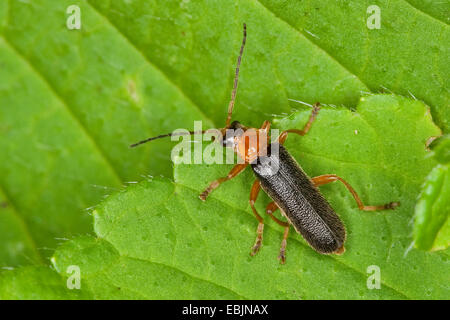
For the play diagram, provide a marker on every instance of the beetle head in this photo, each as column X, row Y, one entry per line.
column 248, row 143
column 231, row 135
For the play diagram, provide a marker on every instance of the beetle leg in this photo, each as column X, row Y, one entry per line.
column 213, row 185
column 270, row 209
column 259, row 231
column 302, row 132
column 327, row 178
column 265, row 126
column 282, row 255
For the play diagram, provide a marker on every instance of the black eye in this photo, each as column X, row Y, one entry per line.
column 235, row 130
column 235, row 125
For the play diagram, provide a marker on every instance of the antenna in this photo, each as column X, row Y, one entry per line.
column 236, row 77
column 230, row 106
column 167, row 135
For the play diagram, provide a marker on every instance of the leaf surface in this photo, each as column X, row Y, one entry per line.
column 156, row 239
column 71, row 101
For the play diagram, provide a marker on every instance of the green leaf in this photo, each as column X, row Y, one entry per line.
column 36, row 283
column 49, row 166
column 18, row 247
column 156, row 239
column 431, row 226
column 408, row 55
column 66, row 127
column 437, row 9
column 314, row 50
column 441, row 149
column 73, row 100
column 110, row 275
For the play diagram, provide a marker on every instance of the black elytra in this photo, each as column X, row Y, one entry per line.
column 283, row 179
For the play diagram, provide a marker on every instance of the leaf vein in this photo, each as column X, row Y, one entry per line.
column 23, row 223
column 52, row 89
column 299, row 242
column 146, row 58
column 310, row 39
column 184, row 272
column 424, row 13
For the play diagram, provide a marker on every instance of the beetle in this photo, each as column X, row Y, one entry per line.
column 292, row 192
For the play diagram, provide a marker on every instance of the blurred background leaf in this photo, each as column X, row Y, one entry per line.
column 431, row 224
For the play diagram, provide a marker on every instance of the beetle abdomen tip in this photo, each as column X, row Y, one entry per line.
column 340, row 251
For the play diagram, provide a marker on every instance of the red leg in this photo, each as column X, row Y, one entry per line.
column 259, row 231
column 265, row 126
column 270, row 209
column 213, row 185
column 312, row 117
column 327, row 178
